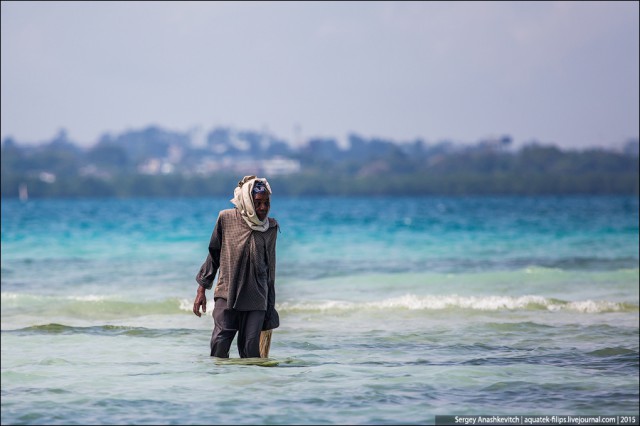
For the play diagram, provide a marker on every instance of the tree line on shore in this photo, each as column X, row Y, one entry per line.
column 369, row 167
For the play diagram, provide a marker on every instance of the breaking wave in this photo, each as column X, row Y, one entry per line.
column 452, row 302
column 109, row 307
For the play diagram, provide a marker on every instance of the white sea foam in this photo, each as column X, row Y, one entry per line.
column 90, row 298
column 36, row 297
column 9, row 296
column 591, row 306
column 406, row 302
column 481, row 303
column 186, row 305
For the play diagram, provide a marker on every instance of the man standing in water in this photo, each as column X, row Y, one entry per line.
column 243, row 249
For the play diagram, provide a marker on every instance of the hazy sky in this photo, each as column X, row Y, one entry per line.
column 556, row 72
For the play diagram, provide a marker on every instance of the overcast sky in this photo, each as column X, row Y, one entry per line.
column 557, row 72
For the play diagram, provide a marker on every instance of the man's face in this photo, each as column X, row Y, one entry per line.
column 261, row 204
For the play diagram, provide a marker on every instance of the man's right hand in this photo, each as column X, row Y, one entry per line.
column 201, row 300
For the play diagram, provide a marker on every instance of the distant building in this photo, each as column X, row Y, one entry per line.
column 47, row 177
column 155, row 166
column 280, row 166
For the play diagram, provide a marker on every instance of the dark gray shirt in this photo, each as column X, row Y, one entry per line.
column 245, row 260
column 252, row 291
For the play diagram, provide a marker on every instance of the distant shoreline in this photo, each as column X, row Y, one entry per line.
column 179, row 186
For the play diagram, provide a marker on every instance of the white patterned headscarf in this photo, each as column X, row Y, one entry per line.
column 243, row 200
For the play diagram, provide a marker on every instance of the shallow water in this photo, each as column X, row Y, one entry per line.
column 393, row 310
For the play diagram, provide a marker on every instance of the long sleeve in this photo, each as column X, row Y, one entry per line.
column 209, row 268
column 215, row 243
column 271, row 297
column 272, row 318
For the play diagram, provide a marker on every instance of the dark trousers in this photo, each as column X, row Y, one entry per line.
column 248, row 325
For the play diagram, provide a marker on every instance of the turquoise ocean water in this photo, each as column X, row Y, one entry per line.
column 393, row 310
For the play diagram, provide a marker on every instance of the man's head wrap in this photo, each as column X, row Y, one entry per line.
column 243, row 200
